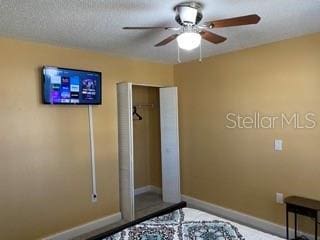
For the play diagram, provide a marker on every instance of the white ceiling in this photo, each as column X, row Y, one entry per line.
column 97, row 24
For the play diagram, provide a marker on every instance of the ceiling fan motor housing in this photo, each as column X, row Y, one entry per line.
column 188, row 13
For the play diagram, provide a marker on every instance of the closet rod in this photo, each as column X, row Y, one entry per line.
column 144, row 105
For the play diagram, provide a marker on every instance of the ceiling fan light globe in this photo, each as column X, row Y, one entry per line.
column 189, row 40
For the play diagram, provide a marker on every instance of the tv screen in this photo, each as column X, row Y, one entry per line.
column 70, row 86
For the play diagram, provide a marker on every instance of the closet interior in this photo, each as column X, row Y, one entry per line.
column 147, row 150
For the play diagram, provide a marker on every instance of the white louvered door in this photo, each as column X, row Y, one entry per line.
column 125, row 138
column 170, row 145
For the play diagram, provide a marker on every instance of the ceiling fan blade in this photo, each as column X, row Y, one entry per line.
column 167, row 40
column 231, row 22
column 212, row 37
column 151, row 28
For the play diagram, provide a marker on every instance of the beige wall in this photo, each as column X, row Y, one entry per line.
column 45, row 168
column 238, row 168
column 146, row 134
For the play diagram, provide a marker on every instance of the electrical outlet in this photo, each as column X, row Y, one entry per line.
column 279, row 198
column 94, row 198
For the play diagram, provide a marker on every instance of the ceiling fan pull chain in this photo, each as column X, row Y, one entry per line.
column 200, row 49
column 179, row 60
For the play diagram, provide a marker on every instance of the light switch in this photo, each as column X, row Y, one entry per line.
column 278, row 145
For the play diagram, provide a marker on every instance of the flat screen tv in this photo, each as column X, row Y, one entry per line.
column 71, row 86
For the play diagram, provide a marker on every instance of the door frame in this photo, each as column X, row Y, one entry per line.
column 131, row 136
column 150, row 85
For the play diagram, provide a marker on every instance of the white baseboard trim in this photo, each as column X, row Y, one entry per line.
column 142, row 190
column 248, row 220
column 155, row 189
column 148, row 188
column 85, row 228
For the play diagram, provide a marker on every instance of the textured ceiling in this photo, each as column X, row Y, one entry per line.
column 97, row 24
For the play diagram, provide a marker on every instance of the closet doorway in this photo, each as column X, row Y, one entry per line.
column 148, row 149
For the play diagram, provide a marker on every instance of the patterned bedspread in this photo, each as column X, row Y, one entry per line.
column 191, row 224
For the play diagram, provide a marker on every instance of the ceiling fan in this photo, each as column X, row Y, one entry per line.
column 190, row 33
